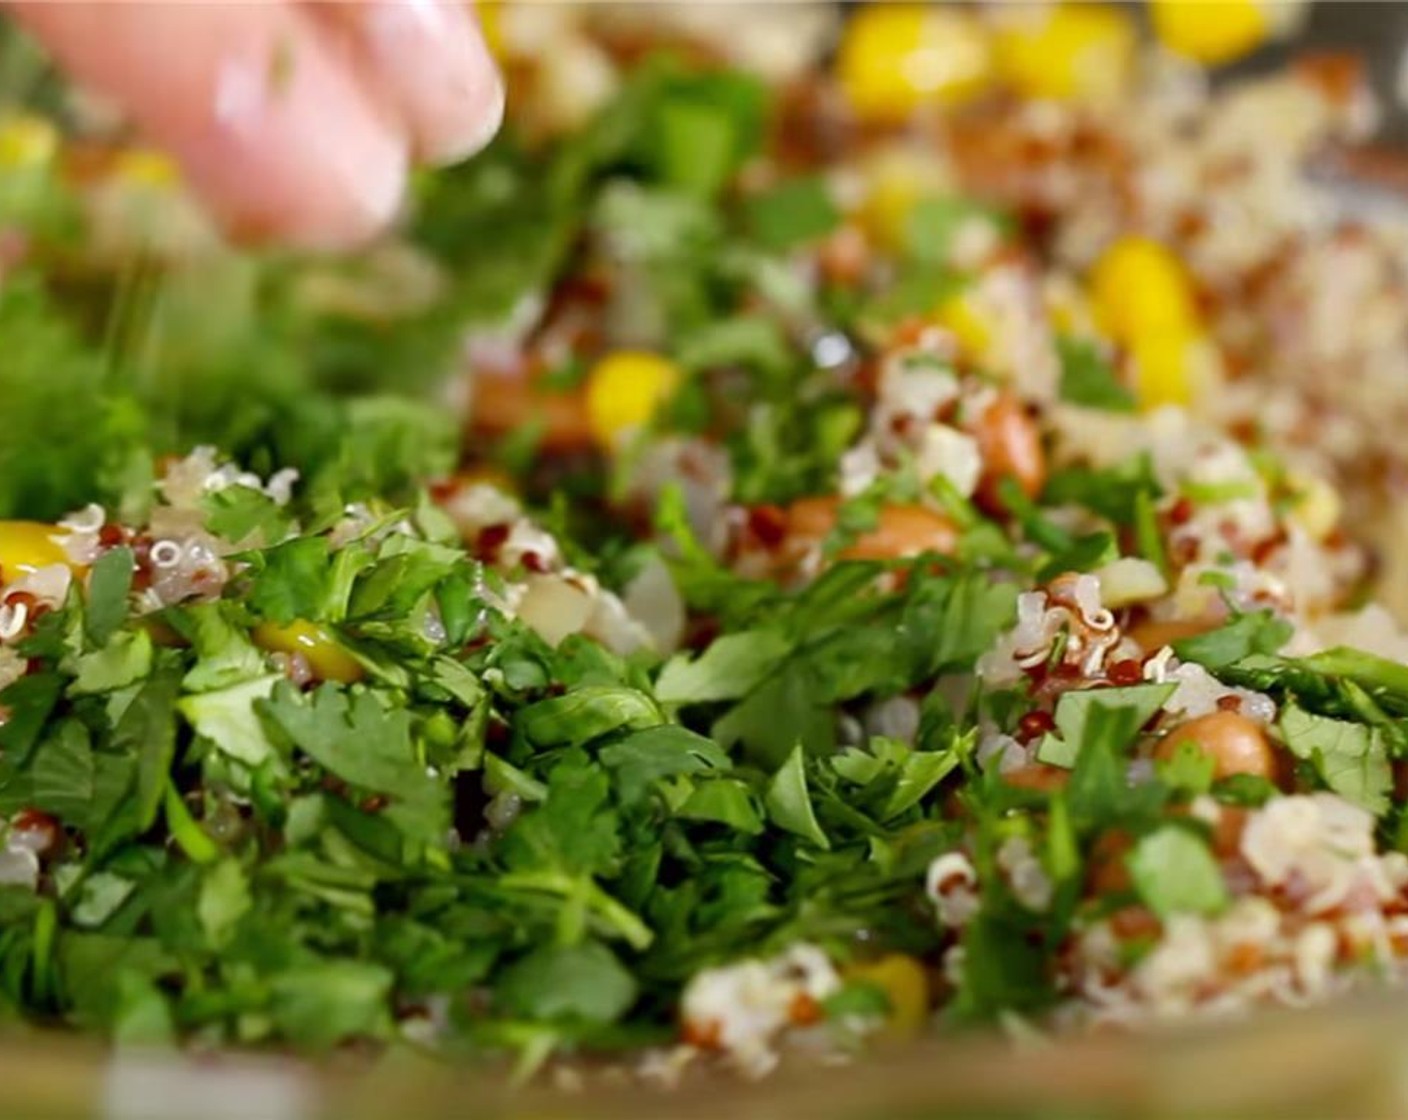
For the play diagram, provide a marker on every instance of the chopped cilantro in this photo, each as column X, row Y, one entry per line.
column 789, row 804
column 1087, row 378
column 108, row 585
column 934, row 223
column 794, row 212
column 1175, row 873
column 1076, row 709
column 353, row 772
column 1113, row 493
column 1349, row 757
column 1255, row 632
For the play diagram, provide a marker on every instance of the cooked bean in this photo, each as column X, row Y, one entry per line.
column 1153, row 634
column 902, row 530
column 1011, row 448
column 1236, row 744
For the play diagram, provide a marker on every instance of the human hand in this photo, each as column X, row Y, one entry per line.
column 295, row 121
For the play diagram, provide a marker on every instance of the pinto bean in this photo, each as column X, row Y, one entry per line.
column 506, row 403
column 1010, row 444
column 1236, row 744
column 902, row 530
column 1152, row 635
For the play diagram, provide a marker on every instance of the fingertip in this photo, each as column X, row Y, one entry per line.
column 333, row 216
column 270, row 125
column 428, row 62
column 481, row 123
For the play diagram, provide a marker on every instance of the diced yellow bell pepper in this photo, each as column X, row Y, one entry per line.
column 897, row 58
column 489, row 14
column 326, row 657
column 1070, row 53
column 961, row 315
column 624, row 390
column 27, row 141
column 1139, row 286
column 895, row 179
column 26, row 546
column 142, row 167
column 1173, row 367
column 1212, row 32
column 905, row 983
column 1316, row 506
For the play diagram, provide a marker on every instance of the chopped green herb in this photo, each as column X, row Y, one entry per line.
column 1175, row 873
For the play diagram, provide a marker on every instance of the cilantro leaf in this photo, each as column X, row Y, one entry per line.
column 405, row 571
column 1190, row 769
column 933, row 224
column 587, row 713
column 725, row 801
column 227, row 718
column 1175, row 873
column 319, row 1003
column 574, row 830
column 1099, row 789
column 356, row 736
column 1075, row 708
column 147, row 733
column 223, row 901
column 1254, row 632
column 567, row 982
column 29, row 701
column 125, row 659
column 1349, row 757
column 788, row 803
column 242, row 513
column 792, row 213
column 1111, row 492
column 224, row 654
column 729, row 668
column 61, row 775
column 644, row 757
column 291, row 580
column 109, row 582
column 1088, row 379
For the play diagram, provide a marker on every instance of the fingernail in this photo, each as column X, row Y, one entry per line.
column 433, row 56
column 481, row 125
column 334, row 174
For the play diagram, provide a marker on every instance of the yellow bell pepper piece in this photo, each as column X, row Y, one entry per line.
column 142, row 167
column 1139, row 286
column 490, row 15
column 27, row 141
column 1316, row 506
column 26, row 546
column 1212, row 32
column 895, row 180
column 960, row 315
column 624, row 390
column 897, row 58
column 1076, row 53
column 905, row 984
column 326, row 657
column 1173, row 367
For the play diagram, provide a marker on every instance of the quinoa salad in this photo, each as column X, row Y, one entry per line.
column 836, row 527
